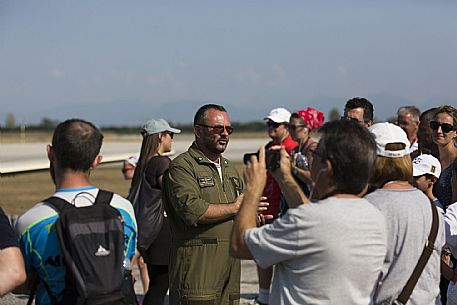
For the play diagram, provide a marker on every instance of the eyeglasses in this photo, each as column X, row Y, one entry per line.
column 348, row 118
column 295, row 127
column 445, row 127
column 275, row 125
column 219, row 128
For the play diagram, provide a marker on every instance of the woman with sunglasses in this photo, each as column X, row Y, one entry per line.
column 301, row 124
column 152, row 163
column 444, row 134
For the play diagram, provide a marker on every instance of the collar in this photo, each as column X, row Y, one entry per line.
column 76, row 189
column 200, row 158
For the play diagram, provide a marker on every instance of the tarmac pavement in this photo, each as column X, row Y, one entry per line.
column 248, row 289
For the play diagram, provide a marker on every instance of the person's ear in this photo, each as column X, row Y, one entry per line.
column 96, row 161
column 50, row 153
column 197, row 131
column 328, row 168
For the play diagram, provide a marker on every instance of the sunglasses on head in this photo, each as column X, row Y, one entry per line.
column 445, row 127
column 218, row 128
column 274, row 124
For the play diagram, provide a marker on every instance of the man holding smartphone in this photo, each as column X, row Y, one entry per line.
column 325, row 252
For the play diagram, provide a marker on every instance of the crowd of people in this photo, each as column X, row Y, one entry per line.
column 350, row 211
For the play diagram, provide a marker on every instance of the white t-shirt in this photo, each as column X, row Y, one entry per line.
column 329, row 252
column 450, row 225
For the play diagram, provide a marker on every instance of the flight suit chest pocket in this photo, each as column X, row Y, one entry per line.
column 206, row 181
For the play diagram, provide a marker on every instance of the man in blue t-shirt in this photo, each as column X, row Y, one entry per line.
column 74, row 152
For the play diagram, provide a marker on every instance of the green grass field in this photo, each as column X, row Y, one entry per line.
column 20, row 192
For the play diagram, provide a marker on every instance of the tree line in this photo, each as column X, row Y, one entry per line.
column 48, row 124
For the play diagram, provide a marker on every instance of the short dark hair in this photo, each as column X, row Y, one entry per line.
column 76, row 143
column 351, row 149
column 299, row 118
column 201, row 112
column 361, row 102
column 424, row 133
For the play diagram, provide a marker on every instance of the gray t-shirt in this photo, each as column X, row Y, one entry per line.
column 408, row 220
column 329, row 252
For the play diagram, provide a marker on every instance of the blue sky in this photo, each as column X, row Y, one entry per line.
column 123, row 62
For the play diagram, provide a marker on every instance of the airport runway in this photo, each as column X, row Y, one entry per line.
column 18, row 157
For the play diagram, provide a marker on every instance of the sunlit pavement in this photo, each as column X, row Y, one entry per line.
column 249, row 284
column 249, row 287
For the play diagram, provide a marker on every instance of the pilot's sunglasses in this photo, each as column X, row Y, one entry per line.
column 219, row 128
column 445, row 127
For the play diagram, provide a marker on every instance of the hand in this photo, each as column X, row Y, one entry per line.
column 446, row 257
column 263, row 205
column 255, row 173
column 284, row 170
column 293, row 159
column 262, row 219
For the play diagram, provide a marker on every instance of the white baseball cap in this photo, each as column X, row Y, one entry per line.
column 426, row 164
column 132, row 160
column 278, row 115
column 388, row 133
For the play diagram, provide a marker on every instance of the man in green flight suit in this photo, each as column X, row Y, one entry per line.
column 202, row 194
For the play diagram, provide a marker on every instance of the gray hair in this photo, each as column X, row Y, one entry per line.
column 412, row 110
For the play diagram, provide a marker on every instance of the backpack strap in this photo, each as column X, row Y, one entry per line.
column 423, row 259
column 103, row 197
column 34, row 287
column 58, row 203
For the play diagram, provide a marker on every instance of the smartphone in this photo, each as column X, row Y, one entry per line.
column 272, row 158
column 247, row 157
